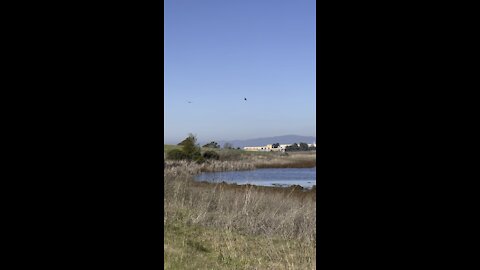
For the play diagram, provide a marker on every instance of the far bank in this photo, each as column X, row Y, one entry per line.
column 240, row 159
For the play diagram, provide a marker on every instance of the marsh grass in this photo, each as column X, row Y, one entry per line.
column 277, row 160
column 222, row 226
column 232, row 159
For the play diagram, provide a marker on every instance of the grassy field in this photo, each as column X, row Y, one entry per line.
column 169, row 147
column 221, row 226
column 200, row 247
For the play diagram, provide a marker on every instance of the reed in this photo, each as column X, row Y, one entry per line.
column 234, row 160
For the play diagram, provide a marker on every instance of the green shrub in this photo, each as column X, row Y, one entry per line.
column 212, row 145
column 200, row 160
column 211, row 155
column 176, row 154
column 195, row 155
column 190, row 148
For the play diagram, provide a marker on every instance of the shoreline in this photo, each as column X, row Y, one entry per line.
column 225, row 177
column 238, row 160
column 192, row 170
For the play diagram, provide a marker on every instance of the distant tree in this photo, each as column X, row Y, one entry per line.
column 183, row 142
column 303, row 146
column 275, row 145
column 292, row 148
column 227, row 146
column 190, row 147
column 212, row 145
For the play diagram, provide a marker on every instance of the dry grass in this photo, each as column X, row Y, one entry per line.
column 277, row 160
column 236, row 227
column 192, row 168
column 236, row 160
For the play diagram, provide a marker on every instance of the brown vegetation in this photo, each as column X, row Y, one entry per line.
column 233, row 223
column 237, row 160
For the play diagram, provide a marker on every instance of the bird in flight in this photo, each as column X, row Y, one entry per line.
column 245, row 98
column 189, row 102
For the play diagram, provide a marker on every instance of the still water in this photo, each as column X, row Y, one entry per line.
column 305, row 177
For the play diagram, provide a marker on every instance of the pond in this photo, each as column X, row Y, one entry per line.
column 305, row 177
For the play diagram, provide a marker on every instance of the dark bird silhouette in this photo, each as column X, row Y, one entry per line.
column 245, row 98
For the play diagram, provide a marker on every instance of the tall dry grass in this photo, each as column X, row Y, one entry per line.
column 279, row 160
column 268, row 213
column 236, row 160
column 192, row 168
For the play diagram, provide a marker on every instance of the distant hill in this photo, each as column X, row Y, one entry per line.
column 286, row 139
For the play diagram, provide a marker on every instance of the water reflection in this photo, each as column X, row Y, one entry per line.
column 305, row 177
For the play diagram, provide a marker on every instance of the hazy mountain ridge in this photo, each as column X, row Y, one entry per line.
column 285, row 139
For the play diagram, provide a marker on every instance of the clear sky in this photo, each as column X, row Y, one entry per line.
column 218, row 52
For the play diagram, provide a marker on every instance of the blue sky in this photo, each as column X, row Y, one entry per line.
column 217, row 52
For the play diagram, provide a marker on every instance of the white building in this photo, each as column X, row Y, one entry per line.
column 269, row 148
column 255, row 148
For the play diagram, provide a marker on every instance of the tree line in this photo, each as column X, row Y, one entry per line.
column 299, row 147
column 191, row 151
